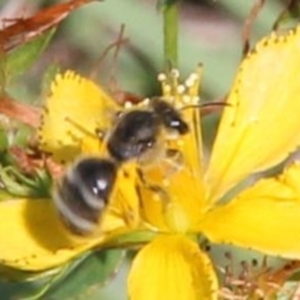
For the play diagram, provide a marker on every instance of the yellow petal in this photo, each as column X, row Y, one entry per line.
column 264, row 217
column 172, row 268
column 74, row 110
column 172, row 204
column 172, row 196
column 260, row 126
column 123, row 208
column 172, row 193
column 33, row 238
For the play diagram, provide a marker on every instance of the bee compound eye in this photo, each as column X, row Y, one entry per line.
column 176, row 123
column 170, row 117
column 83, row 193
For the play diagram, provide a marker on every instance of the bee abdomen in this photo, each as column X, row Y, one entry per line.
column 83, row 193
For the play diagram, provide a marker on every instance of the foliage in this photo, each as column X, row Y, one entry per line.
column 28, row 172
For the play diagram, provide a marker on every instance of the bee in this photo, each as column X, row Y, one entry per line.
column 85, row 189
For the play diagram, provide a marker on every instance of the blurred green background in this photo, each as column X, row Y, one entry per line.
column 210, row 33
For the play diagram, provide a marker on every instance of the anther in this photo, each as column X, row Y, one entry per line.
column 161, row 77
column 175, row 73
column 180, row 89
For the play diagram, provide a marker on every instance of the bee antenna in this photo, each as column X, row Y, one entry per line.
column 206, row 107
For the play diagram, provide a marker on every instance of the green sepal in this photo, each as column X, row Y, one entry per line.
column 18, row 184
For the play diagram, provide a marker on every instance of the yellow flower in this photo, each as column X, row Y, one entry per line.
column 179, row 197
column 68, row 128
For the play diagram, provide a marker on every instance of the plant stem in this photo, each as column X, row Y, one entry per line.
column 170, row 16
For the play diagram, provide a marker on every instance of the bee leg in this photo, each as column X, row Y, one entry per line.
column 125, row 212
column 155, row 188
column 174, row 159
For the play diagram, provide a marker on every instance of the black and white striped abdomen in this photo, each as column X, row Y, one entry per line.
column 82, row 194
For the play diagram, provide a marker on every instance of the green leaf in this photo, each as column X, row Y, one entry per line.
column 3, row 139
column 91, row 270
column 290, row 16
column 94, row 271
column 12, row 276
column 20, row 59
column 295, row 276
column 48, row 77
column 16, row 284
